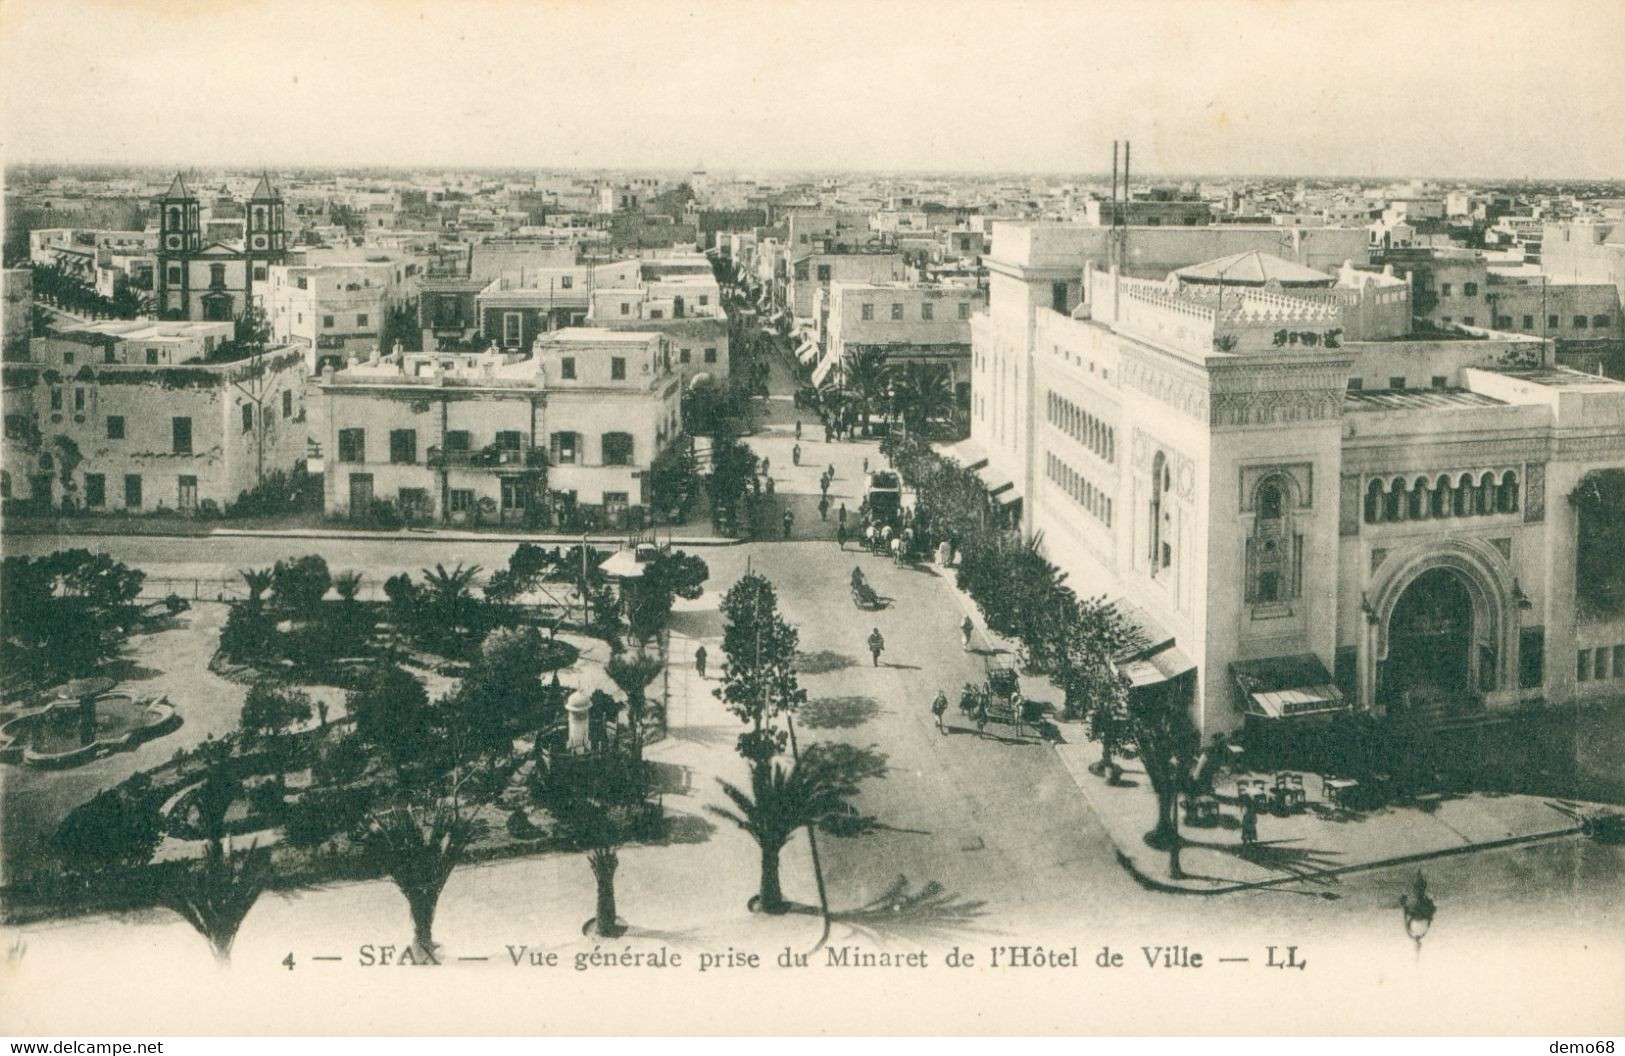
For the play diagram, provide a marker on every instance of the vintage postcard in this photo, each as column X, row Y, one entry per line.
column 812, row 518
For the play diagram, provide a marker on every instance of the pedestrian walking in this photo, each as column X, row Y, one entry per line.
column 823, row 488
column 769, row 485
column 1249, row 823
column 965, row 630
column 939, row 708
column 979, row 716
column 798, row 428
column 840, row 536
column 866, row 464
column 767, row 466
column 841, row 513
column 823, row 508
column 789, row 519
column 829, row 472
column 828, row 433
column 795, row 455
column 699, row 661
column 877, row 645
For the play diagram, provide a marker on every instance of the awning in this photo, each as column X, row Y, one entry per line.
column 967, row 453
column 1162, row 666
column 821, row 371
column 1285, row 687
column 995, row 479
column 1151, row 657
column 806, row 352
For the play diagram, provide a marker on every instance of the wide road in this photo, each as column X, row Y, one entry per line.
column 986, row 840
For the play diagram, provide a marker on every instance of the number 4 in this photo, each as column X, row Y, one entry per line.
column 288, row 960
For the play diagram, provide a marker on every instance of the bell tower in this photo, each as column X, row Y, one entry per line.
column 180, row 235
column 266, row 237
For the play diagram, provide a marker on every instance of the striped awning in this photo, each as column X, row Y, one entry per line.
column 1285, row 687
column 821, row 371
column 806, row 352
column 1162, row 666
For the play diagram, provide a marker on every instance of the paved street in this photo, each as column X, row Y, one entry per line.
column 980, row 839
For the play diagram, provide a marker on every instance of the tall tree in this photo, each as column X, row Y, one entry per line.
column 925, row 393
column 868, row 376
column 632, row 674
column 781, row 800
column 1160, row 724
column 418, row 846
column 759, row 683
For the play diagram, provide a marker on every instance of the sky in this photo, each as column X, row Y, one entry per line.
column 1426, row 88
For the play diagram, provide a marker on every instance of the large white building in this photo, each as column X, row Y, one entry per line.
column 1310, row 508
column 562, row 437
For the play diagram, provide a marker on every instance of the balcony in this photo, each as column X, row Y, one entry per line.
column 489, row 457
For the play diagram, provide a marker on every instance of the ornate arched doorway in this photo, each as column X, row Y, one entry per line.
column 1430, row 643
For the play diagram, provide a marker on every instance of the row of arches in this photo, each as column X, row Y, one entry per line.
column 1083, row 427
column 1448, row 495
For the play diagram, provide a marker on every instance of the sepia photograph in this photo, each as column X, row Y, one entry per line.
column 459, row 456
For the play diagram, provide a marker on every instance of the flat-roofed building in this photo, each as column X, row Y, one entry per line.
column 1312, row 505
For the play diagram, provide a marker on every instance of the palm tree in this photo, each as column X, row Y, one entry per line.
column 449, row 593
column 216, row 894
column 925, row 394
column 867, row 376
column 417, row 848
column 780, row 802
column 347, row 585
column 632, row 674
column 258, row 581
column 590, row 826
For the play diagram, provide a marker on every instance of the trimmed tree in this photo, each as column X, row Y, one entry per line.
column 759, row 686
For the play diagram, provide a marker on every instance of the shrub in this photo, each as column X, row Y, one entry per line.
column 265, row 798
column 119, row 827
column 249, row 634
column 321, row 814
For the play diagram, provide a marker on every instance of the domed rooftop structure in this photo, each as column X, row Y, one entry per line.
column 1253, row 268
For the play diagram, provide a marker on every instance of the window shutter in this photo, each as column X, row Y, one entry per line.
column 1251, row 588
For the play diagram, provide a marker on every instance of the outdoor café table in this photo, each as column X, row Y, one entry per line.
column 1336, row 789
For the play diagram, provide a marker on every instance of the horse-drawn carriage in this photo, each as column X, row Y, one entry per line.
column 999, row 699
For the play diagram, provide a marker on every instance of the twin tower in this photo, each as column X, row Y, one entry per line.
column 214, row 279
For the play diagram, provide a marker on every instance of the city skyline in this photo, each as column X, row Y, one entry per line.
column 1358, row 92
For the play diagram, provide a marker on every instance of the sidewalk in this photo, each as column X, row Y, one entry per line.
column 1313, row 845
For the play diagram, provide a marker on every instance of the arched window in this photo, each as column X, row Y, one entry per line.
column 1160, row 554
column 1373, row 502
column 1391, row 508
column 1506, row 496
column 1269, row 501
column 1273, row 549
column 1484, row 495
column 1439, row 498
column 1461, row 498
column 1416, row 499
